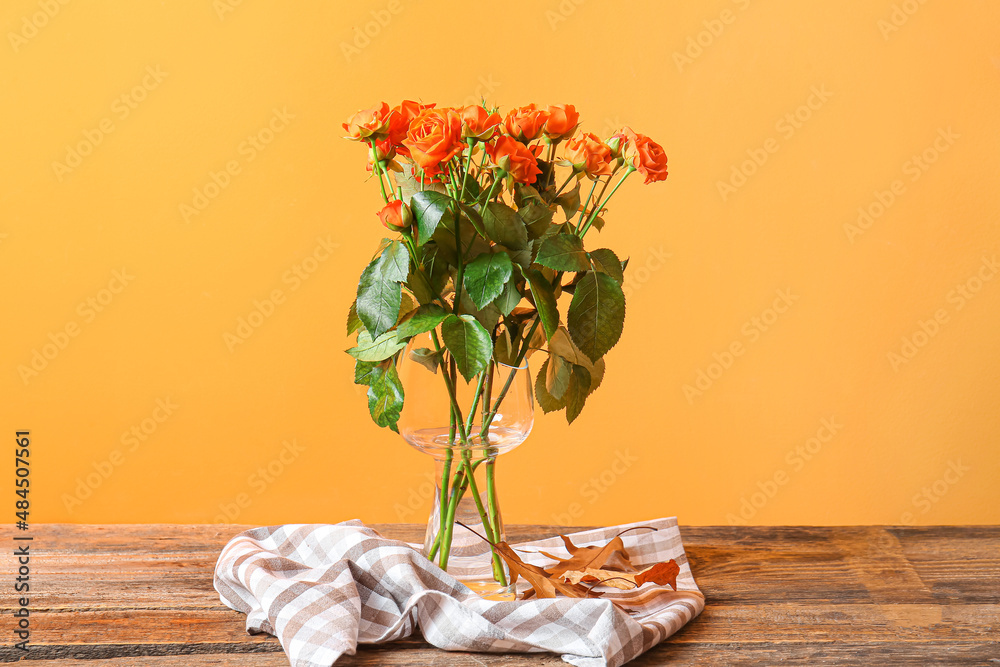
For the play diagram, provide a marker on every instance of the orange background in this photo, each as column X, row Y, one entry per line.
column 807, row 111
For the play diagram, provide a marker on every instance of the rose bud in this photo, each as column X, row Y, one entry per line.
column 396, row 216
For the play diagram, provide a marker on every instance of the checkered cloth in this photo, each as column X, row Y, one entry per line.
column 321, row 589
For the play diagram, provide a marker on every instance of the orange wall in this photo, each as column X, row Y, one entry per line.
column 844, row 104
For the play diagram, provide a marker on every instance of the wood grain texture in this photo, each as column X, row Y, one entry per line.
column 142, row 595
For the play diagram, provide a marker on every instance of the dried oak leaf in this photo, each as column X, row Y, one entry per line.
column 660, row 573
column 542, row 585
column 612, row 556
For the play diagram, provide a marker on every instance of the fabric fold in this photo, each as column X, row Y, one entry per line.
column 323, row 589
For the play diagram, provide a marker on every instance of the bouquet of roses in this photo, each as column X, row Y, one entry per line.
column 490, row 224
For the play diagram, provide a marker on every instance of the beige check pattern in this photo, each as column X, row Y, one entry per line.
column 322, row 589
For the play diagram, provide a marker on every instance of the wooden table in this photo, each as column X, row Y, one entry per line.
column 142, row 595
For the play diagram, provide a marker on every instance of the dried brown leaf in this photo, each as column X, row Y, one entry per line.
column 660, row 573
column 542, row 584
column 612, row 556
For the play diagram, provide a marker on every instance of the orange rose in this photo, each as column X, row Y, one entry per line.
column 515, row 158
column 396, row 216
column 525, row 123
column 646, row 156
column 562, row 122
column 435, row 136
column 368, row 122
column 478, row 123
column 399, row 122
column 588, row 154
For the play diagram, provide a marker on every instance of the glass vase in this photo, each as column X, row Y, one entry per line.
column 465, row 425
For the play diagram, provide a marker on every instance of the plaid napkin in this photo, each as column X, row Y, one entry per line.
column 321, row 589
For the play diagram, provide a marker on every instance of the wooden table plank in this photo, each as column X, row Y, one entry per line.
column 142, row 595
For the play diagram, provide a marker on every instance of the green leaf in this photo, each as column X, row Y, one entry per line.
column 427, row 280
column 488, row 316
column 576, row 392
column 476, row 220
column 406, row 306
column 447, row 248
column 395, row 262
column 378, row 301
column 385, row 398
column 426, row 318
column 561, row 344
column 569, row 201
column 521, row 257
column 427, row 358
column 353, row 321
column 377, row 349
column 596, row 314
column 536, row 216
column 509, row 297
column 365, row 372
column 502, row 351
column 526, row 193
column 468, row 342
column 429, row 208
column 545, row 300
column 503, row 225
column 533, row 210
column 557, row 376
column 546, row 401
column 379, row 292
column 606, row 261
column 563, row 253
column 485, row 277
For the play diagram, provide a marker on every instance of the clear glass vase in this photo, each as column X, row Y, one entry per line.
column 465, row 425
